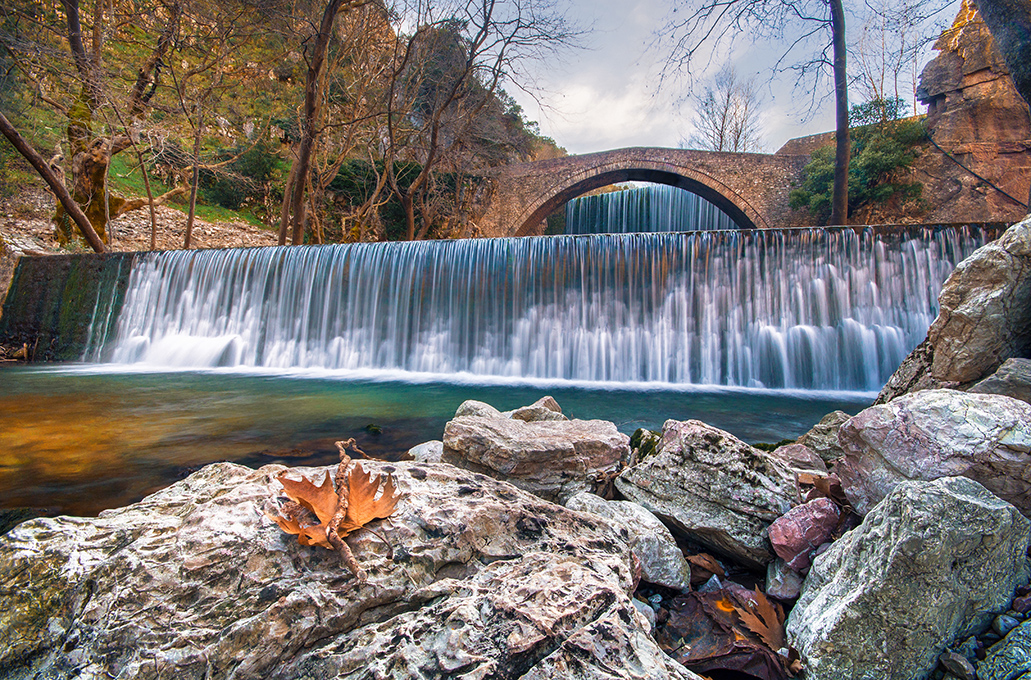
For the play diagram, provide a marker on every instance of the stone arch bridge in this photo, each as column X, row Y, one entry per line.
column 752, row 188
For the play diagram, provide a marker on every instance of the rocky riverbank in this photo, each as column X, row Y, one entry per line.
column 889, row 544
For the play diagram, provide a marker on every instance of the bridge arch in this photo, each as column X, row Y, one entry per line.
column 693, row 180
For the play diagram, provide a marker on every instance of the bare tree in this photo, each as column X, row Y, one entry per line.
column 728, row 115
column 711, row 23
column 65, row 64
column 449, row 71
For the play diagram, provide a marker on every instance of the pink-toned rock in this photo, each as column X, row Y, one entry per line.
column 938, row 433
column 800, row 457
column 797, row 535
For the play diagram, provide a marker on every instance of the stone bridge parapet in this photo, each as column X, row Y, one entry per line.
column 750, row 187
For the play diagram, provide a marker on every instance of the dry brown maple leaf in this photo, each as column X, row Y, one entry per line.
column 767, row 621
column 322, row 515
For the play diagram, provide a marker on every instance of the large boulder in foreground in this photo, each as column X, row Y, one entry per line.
column 929, row 564
column 196, row 582
column 938, row 433
column 554, row 459
column 714, row 488
column 984, row 319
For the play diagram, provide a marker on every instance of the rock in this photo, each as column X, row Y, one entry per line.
column 782, row 582
column 545, row 408
column 1003, row 624
column 647, row 612
column 427, row 452
column 1013, row 379
column 958, row 665
column 471, row 407
column 796, row 535
column 552, row 459
column 713, row 488
column 662, row 562
column 823, row 437
column 195, row 582
column 984, row 319
column 975, row 113
column 1010, row 659
column 800, row 457
column 938, row 433
column 1022, row 604
column 930, row 563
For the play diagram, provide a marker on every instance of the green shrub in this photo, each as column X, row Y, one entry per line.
column 880, row 149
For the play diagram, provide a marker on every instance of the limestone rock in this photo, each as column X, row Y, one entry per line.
column 195, row 582
column 782, row 582
column 800, row 457
column 471, row 407
column 929, row 564
column 796, row 536
column 427, row 452
column 1013, row 379
column 1010, row 659
column 938, row 433
column 823, row 437
column 545, row 408
column 552, row 459
column 713, row 488
column 984, row 319
column 662, row 562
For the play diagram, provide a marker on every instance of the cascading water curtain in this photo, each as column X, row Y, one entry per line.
column 644, row 209
column 833, row 309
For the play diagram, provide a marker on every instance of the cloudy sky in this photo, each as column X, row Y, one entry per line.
column 607, row 95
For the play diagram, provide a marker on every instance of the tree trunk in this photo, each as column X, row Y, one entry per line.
column 56, row 185
column 843, row 150
column 1009, row 22
column 194, row 180
column 293, row 212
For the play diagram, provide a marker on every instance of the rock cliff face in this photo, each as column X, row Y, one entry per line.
column 975, row 114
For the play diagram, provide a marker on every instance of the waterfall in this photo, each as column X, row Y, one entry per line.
column 832, row 309
column 644, row 209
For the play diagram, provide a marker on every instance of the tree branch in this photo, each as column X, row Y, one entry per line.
column 56, row 185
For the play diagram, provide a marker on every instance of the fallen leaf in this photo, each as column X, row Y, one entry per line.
column 322, row 515
column 321, row 500
column 703, row 634
column 703, row 566
column 767, row 621
column 363, row 505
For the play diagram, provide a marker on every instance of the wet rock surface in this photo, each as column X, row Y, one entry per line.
column 713, row 488
column 930, row 563
column 662, row 562
column 938, row 433
column 195, row 582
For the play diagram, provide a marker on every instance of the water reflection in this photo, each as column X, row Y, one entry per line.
column 79, row 441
